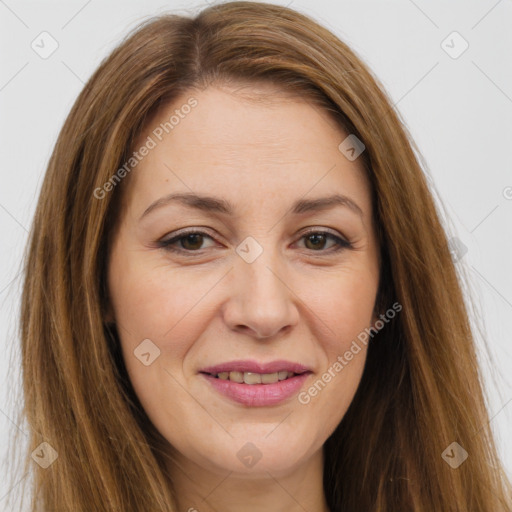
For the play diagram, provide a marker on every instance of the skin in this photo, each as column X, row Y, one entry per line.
column 297, row 301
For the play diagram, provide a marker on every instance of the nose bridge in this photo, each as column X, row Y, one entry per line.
column 261, row 301
column 262, row 276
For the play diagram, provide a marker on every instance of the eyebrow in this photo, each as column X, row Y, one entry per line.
column 221, row 206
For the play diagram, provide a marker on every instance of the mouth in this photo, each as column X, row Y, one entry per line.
column 252, row 378
column 255, row 384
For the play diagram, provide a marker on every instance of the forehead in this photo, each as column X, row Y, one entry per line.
column 244, row 142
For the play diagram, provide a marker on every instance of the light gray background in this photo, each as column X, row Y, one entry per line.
column 458, row 110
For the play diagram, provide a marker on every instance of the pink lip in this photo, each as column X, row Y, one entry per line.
column 257, row 395
column 255, row 367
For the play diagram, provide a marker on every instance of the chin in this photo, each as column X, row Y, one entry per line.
column 257, row 453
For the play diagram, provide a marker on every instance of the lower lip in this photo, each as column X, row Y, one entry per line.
column 258, row 395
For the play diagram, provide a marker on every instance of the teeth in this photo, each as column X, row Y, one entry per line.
column 255, row 378
column 236, row 376
column 269, row 378
column 252, row 378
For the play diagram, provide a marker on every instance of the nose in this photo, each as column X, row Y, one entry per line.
column 262, row 303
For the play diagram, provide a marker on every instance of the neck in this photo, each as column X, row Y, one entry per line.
column 200, row 490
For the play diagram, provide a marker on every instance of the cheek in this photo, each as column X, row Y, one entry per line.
column 167, row 307
column 159, row 303
column 344, row 309
column 343, row 303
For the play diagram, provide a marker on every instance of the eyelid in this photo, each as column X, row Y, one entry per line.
column 165, row 243
column 199, row 230
column 341, row 242
column 324, row 231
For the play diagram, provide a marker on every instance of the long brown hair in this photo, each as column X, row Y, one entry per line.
column 421, row 387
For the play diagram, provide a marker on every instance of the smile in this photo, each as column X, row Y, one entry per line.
column 256, row 384
column 255, row 378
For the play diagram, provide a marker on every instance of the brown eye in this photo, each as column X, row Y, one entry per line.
column 192, row 241
column 186, row 242
column 317, row 241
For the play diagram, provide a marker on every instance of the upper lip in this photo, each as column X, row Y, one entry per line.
column 256, row 367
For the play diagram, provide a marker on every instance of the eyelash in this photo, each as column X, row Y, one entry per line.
column 168, row 244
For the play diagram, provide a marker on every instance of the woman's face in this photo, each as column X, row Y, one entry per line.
column 276, row 282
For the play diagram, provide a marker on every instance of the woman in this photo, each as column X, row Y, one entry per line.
column 239, row 295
